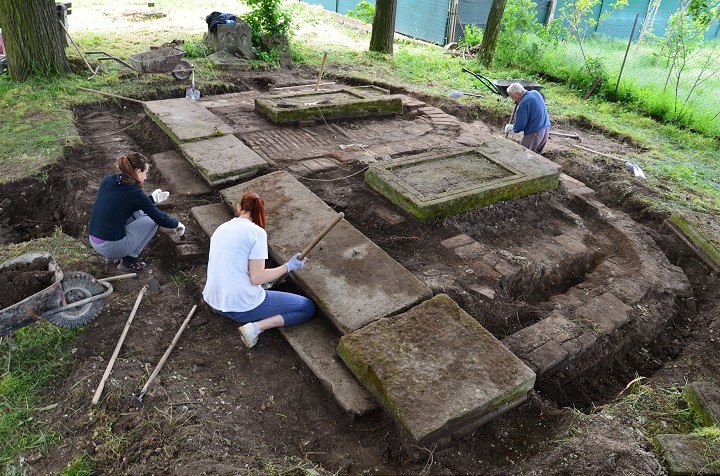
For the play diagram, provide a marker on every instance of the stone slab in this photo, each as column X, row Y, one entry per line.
column 700, row 231
column 315, row 344
column 704, row 399
column 350, row 278
column 346, row 103
column 223, row 160
column 688, row 455
column 182, row 177
column 607, row 311
column 185, row 120
column 209, row 217
column 233, row 38
column 436, row 369
column 444, row 182
column 314, row 341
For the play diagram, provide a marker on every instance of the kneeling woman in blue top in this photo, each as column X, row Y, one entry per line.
column 236, row 272
column 124, row 218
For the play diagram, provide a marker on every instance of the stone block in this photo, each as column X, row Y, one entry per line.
column 446, row 182
column 436, row 369
column 223, row 160
column 704, row 398
column 701, row 232
column 688, row 455
column 180, row 174
column 234, row 38
column 209, row 217
column 606, row 310
column 458, row 240
column 186, row 121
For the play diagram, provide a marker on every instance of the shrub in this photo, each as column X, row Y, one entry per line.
column 363, row 11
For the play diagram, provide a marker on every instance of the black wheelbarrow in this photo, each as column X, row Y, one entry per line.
column 499, row 87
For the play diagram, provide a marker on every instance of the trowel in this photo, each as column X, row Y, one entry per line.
column 191, row 92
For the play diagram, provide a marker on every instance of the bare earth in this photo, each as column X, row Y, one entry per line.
column 218, row 408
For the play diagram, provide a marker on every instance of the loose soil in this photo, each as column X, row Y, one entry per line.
column 219, row 408
column 21, row 280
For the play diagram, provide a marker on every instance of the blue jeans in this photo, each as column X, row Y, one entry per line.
column 293, row 308
column 139, row 230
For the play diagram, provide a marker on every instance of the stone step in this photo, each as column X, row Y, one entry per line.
column 704, row 399
column 351, row 279
column 185, row 120
column 181, row 176
column 223, row 160
column 437, row 370
column 314, row 341
column 688, row 455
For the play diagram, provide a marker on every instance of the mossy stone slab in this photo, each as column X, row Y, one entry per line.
column 447, row 182
column 436, row 369
column 702, row 232
column 350, row 278
column 223, row 160
column 185, row 120
column 704, row 399
column 346, row 103
column 689, row 455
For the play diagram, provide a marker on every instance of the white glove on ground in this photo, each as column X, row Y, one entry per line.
column 509, row 128
column 180, row 229
column 160, row 196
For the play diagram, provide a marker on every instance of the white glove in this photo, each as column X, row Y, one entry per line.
column 180, row 229
column 159, row 196
column 509, row 128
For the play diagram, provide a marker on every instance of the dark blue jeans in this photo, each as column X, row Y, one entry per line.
column 293, row 308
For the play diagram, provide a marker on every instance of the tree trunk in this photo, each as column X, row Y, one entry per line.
column 492, row 30
column 31, row 32
column 383, row 29
column 551, row 12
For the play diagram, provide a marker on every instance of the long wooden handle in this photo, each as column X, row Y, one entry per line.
column 111, row 95
column 167, row 352
column 322, row 68
column 98, row 392
column 76, row 47
column 598, row 153
column 321, row 235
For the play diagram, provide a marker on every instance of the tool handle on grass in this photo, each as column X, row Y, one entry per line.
column 321, row 235
column 111, row 95
column 167, row 352
column 587, row 149
column 98, row 392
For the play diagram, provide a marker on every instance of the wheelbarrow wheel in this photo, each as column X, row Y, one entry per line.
column 77, row 286
column 185, row 68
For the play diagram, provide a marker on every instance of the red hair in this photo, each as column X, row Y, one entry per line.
column 253, row 203
column 127, row 164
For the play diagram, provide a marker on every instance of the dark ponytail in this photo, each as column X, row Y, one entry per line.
column 253, row 203
column 127, row 164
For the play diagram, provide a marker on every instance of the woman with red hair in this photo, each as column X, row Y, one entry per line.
column 236, row 273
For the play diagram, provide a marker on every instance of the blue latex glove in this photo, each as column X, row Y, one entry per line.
column 295, row 263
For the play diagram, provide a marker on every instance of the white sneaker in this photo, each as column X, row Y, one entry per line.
column 248, row 334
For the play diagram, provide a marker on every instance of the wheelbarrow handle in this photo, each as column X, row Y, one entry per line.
column 486, row 82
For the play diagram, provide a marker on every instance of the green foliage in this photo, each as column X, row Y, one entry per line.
column 522, row 40
column 196, row 49
column 472, row 35
column 80, row 466
column 267, row 17
column 363, row 11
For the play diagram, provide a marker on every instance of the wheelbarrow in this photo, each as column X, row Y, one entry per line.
column 73, row 299
column 500, row 86
column 161, row 60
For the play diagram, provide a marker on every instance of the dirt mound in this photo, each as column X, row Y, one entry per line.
column 21, row 280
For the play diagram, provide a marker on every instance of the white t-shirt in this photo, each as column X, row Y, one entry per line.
column 228, row 287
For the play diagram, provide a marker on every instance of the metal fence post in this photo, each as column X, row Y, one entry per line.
column 617, row 85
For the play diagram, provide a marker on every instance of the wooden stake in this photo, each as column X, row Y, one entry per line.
column 98, row 392
column 322, row 68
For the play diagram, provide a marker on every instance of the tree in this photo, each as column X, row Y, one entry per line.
column 383, row 29
column 492, row 30
column 31, row 32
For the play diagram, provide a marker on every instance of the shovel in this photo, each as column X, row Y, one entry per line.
column 309, row 247
column 191, row 92
column 636, row 171
column 136, row 399
column 458, row 94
